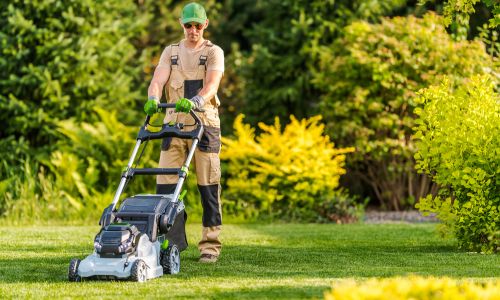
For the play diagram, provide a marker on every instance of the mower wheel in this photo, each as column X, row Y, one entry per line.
column 171, row 260
column 139, row 271
column 73, row 270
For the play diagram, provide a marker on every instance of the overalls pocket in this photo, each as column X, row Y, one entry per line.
column 215, row 172
column 192, row 87
column 210, row 140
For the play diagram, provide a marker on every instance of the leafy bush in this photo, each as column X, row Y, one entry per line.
column 414, row 287
column 39, row 195
column 289, row 173
column 342, row 208
column 82, row 174
column 460, row 11
column 469, row 19
column 369, row 79
column 281, row 41
column 60, row 59
column 458, row 140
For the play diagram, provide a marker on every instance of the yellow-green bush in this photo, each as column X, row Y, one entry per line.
column 288, row 173
column 416, row 288
column 458, row 141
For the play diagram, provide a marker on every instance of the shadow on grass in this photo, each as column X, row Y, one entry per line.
column 355, row 260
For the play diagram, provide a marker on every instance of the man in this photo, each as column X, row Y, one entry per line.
column 192, row 70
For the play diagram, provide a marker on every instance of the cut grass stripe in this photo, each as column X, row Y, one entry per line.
column 280, row 261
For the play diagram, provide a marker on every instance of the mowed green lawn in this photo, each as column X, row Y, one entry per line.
column 284, row 261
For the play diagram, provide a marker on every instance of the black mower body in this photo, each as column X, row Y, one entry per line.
column 153, row 215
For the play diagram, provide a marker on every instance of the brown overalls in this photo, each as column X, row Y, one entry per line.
column 187, row 83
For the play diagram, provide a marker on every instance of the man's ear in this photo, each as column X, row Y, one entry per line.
column 206, row 23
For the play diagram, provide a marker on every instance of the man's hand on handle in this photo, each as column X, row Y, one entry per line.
column 151, row 106
column 184, row 105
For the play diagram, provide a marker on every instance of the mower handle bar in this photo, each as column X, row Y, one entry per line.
column 172, row 105
column 169, row 130
column 166, row 105
column 166, row 131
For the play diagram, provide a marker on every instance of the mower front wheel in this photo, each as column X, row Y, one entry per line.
column 73, row 270
column 139, row 271
column 171, row 260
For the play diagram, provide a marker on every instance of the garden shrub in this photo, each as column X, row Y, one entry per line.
column 458, row 140
column 414, row 287
column 79, row 179
column 469, row 19
column 369, row 79
column 287, row 173
column 60, row 60
column 66, row 193
column 281, row 41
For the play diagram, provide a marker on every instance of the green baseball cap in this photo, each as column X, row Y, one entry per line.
column 193, row 12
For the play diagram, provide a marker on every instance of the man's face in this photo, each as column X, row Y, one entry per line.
column 194, row 31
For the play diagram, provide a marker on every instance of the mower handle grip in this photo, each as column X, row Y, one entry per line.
column 172, row 105
column 166, row 105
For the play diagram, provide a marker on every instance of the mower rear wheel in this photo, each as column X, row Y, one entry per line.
column 139, row 271
column 73, row 270
column 171, row 260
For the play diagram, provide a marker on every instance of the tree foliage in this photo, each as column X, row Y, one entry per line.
column 60, row 59
column 283, row 40
column 460, row 11
column 469, row 19
column 73, row 76
column 369, row 78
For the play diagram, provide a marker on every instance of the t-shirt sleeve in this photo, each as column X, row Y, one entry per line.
column 216, row 59
column 165, row 58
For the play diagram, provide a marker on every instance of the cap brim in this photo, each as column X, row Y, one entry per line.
column 197, row 20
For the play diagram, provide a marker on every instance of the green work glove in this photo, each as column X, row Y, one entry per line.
column 183, row 105
column 151, row 106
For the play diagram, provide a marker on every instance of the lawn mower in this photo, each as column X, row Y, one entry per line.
column 142, row 238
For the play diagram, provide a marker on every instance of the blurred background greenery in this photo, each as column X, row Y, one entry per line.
column 74, row 75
